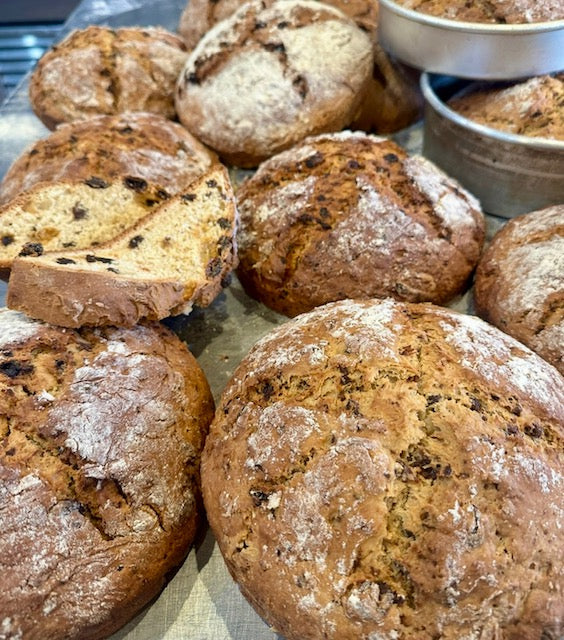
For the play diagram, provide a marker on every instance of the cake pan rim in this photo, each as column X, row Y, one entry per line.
column 535, row 142
column 474, row 27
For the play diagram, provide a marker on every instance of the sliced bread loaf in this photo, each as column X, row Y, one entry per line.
column 178, row 255
column 73, row 214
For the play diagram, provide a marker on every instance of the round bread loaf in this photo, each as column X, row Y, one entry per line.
column 383, row 470
column 393, row 99
column 143, row 145
column 519, row 285
column 268, row 76
column 532, row 108
column 101, row 434
column 349, row 215
column 99, row 70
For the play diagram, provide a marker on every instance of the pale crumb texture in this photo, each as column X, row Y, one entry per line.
column 499, row 12
column 100, row 437
column 70, row 214
column 99, row 70
column 268, row 76
column 520, row 282
column 351, row 215
column 532, row 108
column 380, row 470
column 138, row 144
column 178, row 255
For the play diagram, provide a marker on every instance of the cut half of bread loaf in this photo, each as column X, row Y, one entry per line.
column 73, row 214
column 177, row 256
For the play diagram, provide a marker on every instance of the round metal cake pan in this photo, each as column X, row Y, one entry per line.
column 510, row 174
column 468, row 49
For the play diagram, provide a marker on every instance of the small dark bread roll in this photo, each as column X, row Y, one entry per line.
column 349, row 215
column 140, row 144
column 272, row 74
column 519, row 284
column 100, row 440
column 99, row 70
column 380, row 470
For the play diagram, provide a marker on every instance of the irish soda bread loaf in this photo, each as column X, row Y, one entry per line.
column 534, row 107
column 99, row 70
column 350, row 215
column 142, row 145
column 101, row 433
column 519, row 283
column 268, row 76
column 177, row 256
column 500, row 11
column 384, row 471
column 73, row 215
column 393, row 99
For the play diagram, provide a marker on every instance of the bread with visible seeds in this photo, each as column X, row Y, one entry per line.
column 100, row 440
column 379, row 470
column 350, row 215
column 99, row 70
column 268, row 76
column 139, row 144
column 519, row 284
column 177, row 256
column 68, row 215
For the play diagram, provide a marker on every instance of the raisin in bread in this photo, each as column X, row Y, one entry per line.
column 380, row 470
column 73, row 215
column 139, row 144
column 178, row 255
column 100, row 440
column 99, row 70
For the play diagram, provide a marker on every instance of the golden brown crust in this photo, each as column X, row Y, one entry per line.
column 179, row 255
column 140, row 144
column 384, row 470
column 98, row 70
column 519, row 285
column 266, row 77
column 351, row 215
column 101, row 433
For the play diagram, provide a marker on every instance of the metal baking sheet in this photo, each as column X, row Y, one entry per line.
column 469, row 49
column 201, row 602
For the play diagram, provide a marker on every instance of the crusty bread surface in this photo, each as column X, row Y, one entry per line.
column 519, row 284
column 267, row 76
column 177, row 256
column 99, row 70
column 139, row 144
column 350, row 215
column 101, row 434
column 388, row 470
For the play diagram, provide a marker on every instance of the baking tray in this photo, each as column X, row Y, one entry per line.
column 510, row 174
column 470, row 49
column 201, row 601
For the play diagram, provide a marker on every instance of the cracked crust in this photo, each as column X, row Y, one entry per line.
column 140, row 144
column 101, row 434
column 519, row 283
column 268, row 76
column 99, row 70
column 350, row 215
column 393, row 99
column 393, row 471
